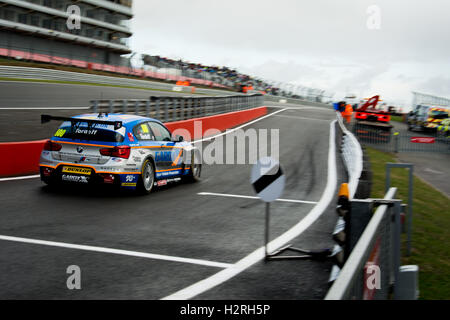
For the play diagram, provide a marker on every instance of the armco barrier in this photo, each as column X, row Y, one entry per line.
column 22, row 158
column 352, row 155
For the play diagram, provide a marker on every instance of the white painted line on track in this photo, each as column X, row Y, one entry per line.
column 237, row 128
column 117, row 251
column 20, row 178
column 251, row 197
column 48, row 108
column 258, row 255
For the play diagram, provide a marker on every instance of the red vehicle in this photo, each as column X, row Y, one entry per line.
column 373, row 123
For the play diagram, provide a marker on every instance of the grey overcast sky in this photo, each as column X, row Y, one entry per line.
column 320, row 43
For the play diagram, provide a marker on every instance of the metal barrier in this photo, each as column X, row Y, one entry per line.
column 352, row 155
column 179, row 108
column 368, row 250
column 378, row 246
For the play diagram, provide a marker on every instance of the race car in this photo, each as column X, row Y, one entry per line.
column 128, row 151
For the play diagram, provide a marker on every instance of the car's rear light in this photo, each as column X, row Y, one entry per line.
column 107, row 178
column 52, row 146
column 47, row 172
column 119, row 152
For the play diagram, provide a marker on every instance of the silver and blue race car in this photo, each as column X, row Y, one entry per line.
column 128, row 151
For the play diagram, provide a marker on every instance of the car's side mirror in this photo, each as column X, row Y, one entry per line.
column 177, row 138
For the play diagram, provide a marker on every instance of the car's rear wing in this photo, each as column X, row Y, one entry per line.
column 47, row 118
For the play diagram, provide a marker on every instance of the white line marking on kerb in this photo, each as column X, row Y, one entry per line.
column 20, row 178
column 117, row 251
column 251, row 197
column 257, row 255
column 237, row 128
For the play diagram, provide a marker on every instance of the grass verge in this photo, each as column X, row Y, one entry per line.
column 397, row 118
column 431, row 226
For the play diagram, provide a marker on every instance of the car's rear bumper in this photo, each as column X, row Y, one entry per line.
column 86, row 175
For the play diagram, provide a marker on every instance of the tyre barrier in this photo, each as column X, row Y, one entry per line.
column 22, row 158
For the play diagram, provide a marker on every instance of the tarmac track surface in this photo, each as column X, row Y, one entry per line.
column 175, row 223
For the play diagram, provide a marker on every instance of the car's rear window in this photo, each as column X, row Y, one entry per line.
column 95, row 132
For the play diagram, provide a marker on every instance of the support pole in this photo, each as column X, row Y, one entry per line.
column 266, row 238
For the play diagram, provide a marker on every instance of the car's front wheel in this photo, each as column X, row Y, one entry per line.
column 147, row 179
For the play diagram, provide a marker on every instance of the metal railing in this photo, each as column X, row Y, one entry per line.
column 169, row 109
column 352, row 155
column 379, row 245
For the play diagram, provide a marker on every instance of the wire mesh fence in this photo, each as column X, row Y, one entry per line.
column 398, row 141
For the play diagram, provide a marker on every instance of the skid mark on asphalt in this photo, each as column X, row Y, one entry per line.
column 116, row 251
column 302, row 118
column 259, row 254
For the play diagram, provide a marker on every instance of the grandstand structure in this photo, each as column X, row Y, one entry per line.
column 40, row 27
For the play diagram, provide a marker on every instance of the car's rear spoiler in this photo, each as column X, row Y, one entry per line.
column 47, row 118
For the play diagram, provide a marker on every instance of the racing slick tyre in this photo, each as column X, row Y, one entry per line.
column 196, row 169
column 147, row 179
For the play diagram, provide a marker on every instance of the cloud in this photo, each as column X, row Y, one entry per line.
column 321, row 42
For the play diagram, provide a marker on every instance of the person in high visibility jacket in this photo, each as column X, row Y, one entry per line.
column 347, row 113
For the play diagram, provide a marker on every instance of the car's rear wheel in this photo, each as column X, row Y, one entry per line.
column 195, row 168
column 147, row 179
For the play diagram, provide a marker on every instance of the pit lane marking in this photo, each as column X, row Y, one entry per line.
column 251, row 197
column 117, row 251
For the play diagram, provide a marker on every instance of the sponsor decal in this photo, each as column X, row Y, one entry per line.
column 164, row 182
column 82, row 159
column 130, row 178
column 60, row 133
column 108, row 169
column 146, row 136
column 77, row 170
column 128, row 184
column 423, row 139
column 130, row 136
column 78, row 179
column 161, row 183
column 117, row 159
column 86, row 131
column 168, row 173
column 80, row 149
column 163, row 156
column 45, row 153
column 137, row 159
